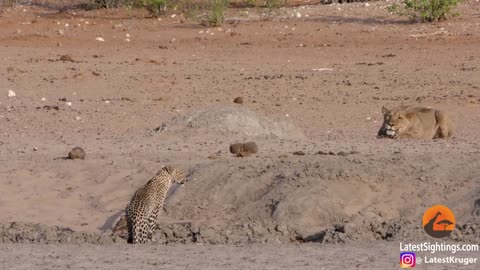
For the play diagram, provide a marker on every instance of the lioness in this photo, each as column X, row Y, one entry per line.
column 407, row 122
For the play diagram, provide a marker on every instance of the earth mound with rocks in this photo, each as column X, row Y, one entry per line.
column 227, row 121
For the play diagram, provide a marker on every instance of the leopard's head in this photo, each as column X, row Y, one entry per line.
column 176, row 175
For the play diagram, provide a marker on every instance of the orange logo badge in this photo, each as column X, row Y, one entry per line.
column 438, row 221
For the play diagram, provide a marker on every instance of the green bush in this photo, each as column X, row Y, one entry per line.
column 217, row 10
column 426, row 10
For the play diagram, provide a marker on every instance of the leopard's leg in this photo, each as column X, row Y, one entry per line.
column 142, row 232
column 130, row 227
column 152, row 222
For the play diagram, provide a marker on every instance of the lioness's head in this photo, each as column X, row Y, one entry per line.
column 395, row 121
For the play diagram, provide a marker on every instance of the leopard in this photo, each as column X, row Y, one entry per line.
column 142, row 211
column 409, row 122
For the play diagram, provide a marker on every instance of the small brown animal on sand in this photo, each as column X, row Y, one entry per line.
column 243, row 149
column 77, row 153
column 238, row 100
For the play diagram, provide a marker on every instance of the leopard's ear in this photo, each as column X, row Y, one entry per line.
column 168, row 169
column 385, row 110
column 411, row 115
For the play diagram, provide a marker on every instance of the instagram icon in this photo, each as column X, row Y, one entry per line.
column 407, row 259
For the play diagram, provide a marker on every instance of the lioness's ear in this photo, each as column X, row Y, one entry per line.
column 385, row 110
column 411, row 115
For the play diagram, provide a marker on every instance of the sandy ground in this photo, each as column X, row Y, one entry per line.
column 311, row 84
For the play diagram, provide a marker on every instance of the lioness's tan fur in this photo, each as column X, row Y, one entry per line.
column 408, row 122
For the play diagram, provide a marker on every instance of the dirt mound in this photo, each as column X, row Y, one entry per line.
column 19, row 232
column 228, row 121
column 252, row 232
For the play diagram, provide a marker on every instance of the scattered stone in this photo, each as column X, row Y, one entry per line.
column 341, row 153
column 238, row 100
column 66, row 58
column 76, row 153
column 49, row 107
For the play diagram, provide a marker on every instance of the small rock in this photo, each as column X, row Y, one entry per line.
column 69, row 103
column 11, row 93
column 78, row 118
column 100, row 39
column 238, row 100
column 76, row 153
column 299, row 15
column 299, row 153
column 44, row 99
column 61, row 32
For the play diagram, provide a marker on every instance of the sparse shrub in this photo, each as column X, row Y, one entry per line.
column 426, row 10
column 108, row 3
column 272, row 6
column 156, row 7
column 216, row 14
column 8, row 3
column 250, row 3
column 189, row 9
